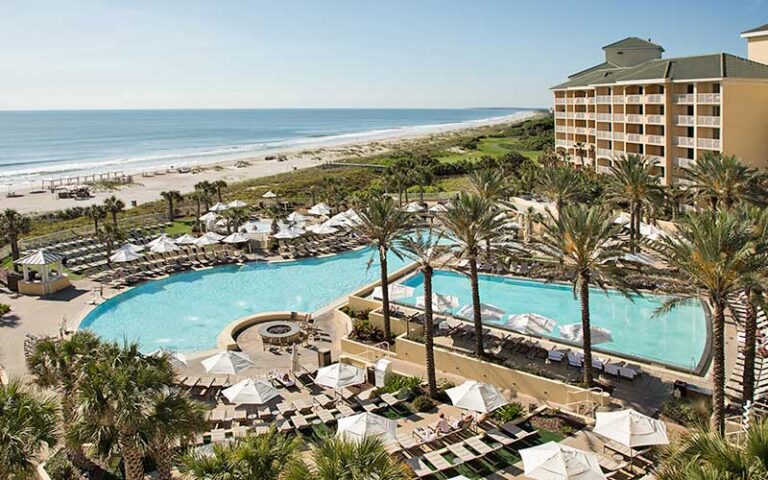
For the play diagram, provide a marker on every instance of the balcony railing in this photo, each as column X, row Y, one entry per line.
column 683, row 162
column 634, row 98
column 635, row 138
column 590, row 100
column 560, row 115
column 654, row 98
column 708, row 121
column 618, row 99
column 602, row 134
column 685, row 120
column 590, row 115
column 709, row 143
column 708, row 98
column 562, row 143
column 659, row 160
column 580, row 100
column 603, row 169
column 560, row 101
column 635, row 118
column 685, row 99
column 685, row 142
column 655, row 139
column 580, row 115
column 654, row 119
column 581, row 130
column 604, row 152
column 618, row 135
column 603, row 117
column 603, row 99
column 618, row 117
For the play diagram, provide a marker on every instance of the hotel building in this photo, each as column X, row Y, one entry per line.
column 669, row 109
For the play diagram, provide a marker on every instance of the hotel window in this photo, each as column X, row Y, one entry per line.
column 689, row 132
column 689, row 88
column 716, row 88
column 689, row 153
column 716, row 133
column 716, row 111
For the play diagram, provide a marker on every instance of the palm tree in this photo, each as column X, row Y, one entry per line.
column 13, row 225
column 701, row 455
column 632, row 182
column 581, row 244
column 382, row 222
column 424, row 173
column 711, row 255
column 336, row 459
column 238, row 216
column 171, row 196
column 723, row 181
column 313, row 191
column 219, row 185
column 530, row 217
column 426, row 251
column 561, row 185
column 114, row 205
column 489, row 184
column 95, row 213
column 400, row 180
column 277, row 214
column 208, row 188
column 200, row 197
column 28, row 421
column 109, row 236
column 580, row 150
column 472, row 221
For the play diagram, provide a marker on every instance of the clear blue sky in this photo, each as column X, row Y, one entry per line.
column 326, row 53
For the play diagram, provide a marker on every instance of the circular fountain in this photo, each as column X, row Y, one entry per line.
column 280, row 332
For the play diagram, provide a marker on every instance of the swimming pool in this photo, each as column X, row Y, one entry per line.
column 187, row 311
column 677, row 339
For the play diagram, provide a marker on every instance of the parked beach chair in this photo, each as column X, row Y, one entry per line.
column 557, row 355
column 420, row 468
column 575, row 359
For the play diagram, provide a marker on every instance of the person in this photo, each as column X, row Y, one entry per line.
column 443, row 426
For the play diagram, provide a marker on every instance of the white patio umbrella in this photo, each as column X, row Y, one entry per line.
column 123, row 255
column 290, row 232
column 237, row 204
column 227, row 363
column 322, row 229
column 237, row 237
column 269, row 194
column 185, row 239
column 134, row 247
column 209, row 217
column 296, row 217
column 631, row 428
column 396, row 291
column 219, row 207
column 440, row 303
column 487, row 312
column 209, row 238
column 366, row 425
column 476, row 396
column 414, row 207
column 439, row 208
column 574, row 333
column 353, row 217
column 177, row 359
column 554, row 461
column 161, row 238
column 320, row 209
column 530, row 323
column 340, row 375
column 251, row 391
column 165, row 246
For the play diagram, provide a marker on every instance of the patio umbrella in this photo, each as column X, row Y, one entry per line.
column 296, row 217
column 414, row 207
column 440, row 303
column 123, row 255
column 631, row 428
column 251, row 391
column 367, row 425
column 269, row 194
column 237, row 204
column 219, row 207
column 134, row 247
column 531, row 323
column 487, row 312
column 439, row 208
column 227, row 363
column 209, row 217
column 165, row 246
column 340, row 375
column 476, row 396
column 574, row 333
column 320, row 209
column 554, row 461
column 177, row 359
column 396, row 291
column 290, row 232
column 161, row 238
column 323, row 229
column 210, row 238
column 185, row 239
column 237, row 237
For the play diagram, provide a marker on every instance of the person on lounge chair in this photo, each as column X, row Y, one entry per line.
column 443, row 425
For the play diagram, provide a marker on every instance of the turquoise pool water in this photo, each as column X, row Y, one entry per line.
column 187, row 311
column 677, row 338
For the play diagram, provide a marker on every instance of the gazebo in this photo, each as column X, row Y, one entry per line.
column 51, row 273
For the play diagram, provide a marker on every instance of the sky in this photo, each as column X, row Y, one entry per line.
column 109, row 54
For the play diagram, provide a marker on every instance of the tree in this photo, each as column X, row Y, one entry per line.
column 399, row 180
column 426, row 250
column 472, row 221
column 114, row 205
column 13, row 225
column 580, row 150
column 28, row 420
column 489, row 184
column 561, row 185
column 632, row 182
column 277, row 214
column 95, row 213
column 530, row 217
column 235, row 217
column 209, row 189
column 171, row 196
column 219, row 185
column 581, row 243
column 423, row 170
column 313, row 191
column 382, row 222
column 334, row 458
column 723, row 181
column 701, row 455
column 711, row 255
column 200, row 197
column 109, row 236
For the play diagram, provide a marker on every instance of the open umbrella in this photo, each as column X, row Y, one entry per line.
column 414, row 207
column 396, row 291
column 554, row 461
column 210, row 238
column 367, row 425
column 237, row 237
column 219, row 207
column 296, row 217
column 123, row 255
column 440, row 303
column 487, row 312
column 574, row 333
column 269, row 194
column 185, row 239
column 161, row 238
column 290, row 232
column 439, row 208
column 324, row 228
column 134, row 247
column 320, row 209
column 254, row 392
column 164, row 246
column 530, row 323
column 177, row 359
column 340, row 375
column 476, row 396
column 237, row 204
column 227, row 363
column 631, row 428
column 209, row 217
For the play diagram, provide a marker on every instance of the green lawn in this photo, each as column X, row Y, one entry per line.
column 491, row 146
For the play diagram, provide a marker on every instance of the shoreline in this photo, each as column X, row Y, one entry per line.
column 149, row 182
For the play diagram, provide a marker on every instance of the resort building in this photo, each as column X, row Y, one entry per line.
column 669, row 109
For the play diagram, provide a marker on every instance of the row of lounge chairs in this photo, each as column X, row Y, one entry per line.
column 314, row 245
column 71, row 239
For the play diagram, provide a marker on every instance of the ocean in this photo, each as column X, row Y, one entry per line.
column 38, row 145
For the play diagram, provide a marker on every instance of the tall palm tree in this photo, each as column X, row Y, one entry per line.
column 209, row 189
column 425, row 249
column 200, row 197
column 95, row 213
column 581, row 243
column 561, row 185
column 382, row 222
column 489, row 184
column 12, row 226
column 400, row 180
column 171, row 196
column 220, row 185
column 424, row 172
column 701, row 455
column 632, row 182
column 313, row 190
column 28, row 421
column 711, row 255
column 277, row 214
column 723, row 181
column 109, row 236
column 336, row 459
column 472, row 221
column 580, row 149
column 114, row 205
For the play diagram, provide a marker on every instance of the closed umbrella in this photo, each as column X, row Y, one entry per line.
column 631, row 428
column 476, row 396
column 440, row 303
column 554, row 461
column 574, row 333
column 185, row 239
column 227, row 363
column 531, row 323
column 123, row 255
column 177, row 359
column 237, row 204
column 340, row 375
column 320, row 209
column 488, row 312
column 164, row 246
column 367, row 425
column 237, row 237
column 219, row 207
column 396, row 291
column 254, row 392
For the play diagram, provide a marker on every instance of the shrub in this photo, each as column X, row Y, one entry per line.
column 687, row 413
column 60, row 468
column 423, row 403
column 509, row 412
column 4, row 309
column 363, row 330
column 410, row 386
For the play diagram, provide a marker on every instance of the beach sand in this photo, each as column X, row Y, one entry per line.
column 147, row 188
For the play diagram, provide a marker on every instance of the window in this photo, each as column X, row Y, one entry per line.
column 689, row 88
column 689, row 110
column 716, row 111
column 716, row 88
column 689, row 132
column 716, row 133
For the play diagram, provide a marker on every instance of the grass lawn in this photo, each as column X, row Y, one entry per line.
column 491, row 146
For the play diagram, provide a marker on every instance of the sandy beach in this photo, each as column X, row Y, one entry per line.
column 148, row 185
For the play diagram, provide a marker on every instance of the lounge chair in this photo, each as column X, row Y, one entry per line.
column 575, row 359
column 557, row 355
column 420, row 467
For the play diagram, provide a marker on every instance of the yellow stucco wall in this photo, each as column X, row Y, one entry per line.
column 757, row 49
column 745, row 121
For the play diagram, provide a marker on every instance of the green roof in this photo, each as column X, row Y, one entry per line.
column 599, row 66
column 761, row 28
column 633, row 42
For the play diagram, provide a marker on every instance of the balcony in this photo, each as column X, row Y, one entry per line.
column 604, row 169
column 685, row 120
column 559, row 101
column 683, row 162
column 603, row 117
column 590, row 115
column 604, row 152
column 708, row 98
column 560, row 115
column 655, row 139
column 708, row 121
column 581, row 130
column 709, row 143
column 618, row 117
column 618, row 98
column 580, row 115
column 685, row 142
column 568, row 129
column 603, row 135
column 618, row 135
column 634, row 98
column 655, row 158
column 685, row 99
column 635, row 138
column 655, row 119
column 590, row 100
column 655, row 98
column 580, row 100
column 603, row 99
column 591, row 131
column 562, row 143
column 635, row 118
